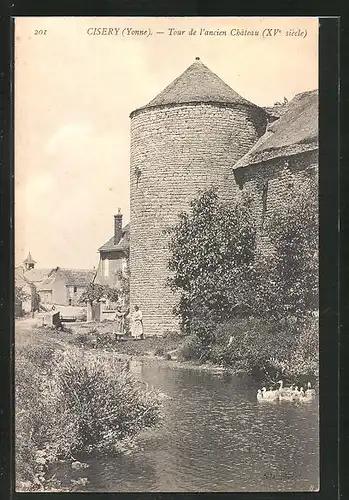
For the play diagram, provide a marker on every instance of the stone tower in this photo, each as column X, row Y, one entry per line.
column 184, row 141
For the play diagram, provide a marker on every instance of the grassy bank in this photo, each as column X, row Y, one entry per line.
column 71, row 401
column 101, row 336
column 267, row 349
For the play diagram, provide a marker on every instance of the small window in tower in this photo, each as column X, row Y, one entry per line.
column 264, row 202
column 138, row 173
column 75, row 289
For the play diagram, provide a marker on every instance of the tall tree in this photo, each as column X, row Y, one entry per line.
column 293, row 270
column 212, row 253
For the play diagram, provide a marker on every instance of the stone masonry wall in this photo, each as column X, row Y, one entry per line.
column 281, row 175
column 176, row 152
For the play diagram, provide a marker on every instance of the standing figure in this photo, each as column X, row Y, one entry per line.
column 119, row 317
column 138, row 323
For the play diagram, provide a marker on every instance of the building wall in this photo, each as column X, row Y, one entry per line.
column 45, row 297
column 59, row 291
column 57, row 294
column 73, row 294
column 271, row 185
column 176, row 152
column 110, row 264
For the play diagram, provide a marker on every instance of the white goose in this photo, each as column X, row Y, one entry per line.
column 298, row 393
column 310, row 392
column 285, row 390
column 307, row 396
column 270, row 395
column 287, row 393
column 260, row 395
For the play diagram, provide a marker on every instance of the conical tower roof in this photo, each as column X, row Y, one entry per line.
column 197, row 84
column 29, row 259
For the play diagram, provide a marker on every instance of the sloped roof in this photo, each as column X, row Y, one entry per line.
column 296, row 131
column 197, row 84
column 76, row 277
column 276, row 111
column 72, row 277
column 20, row 279
column 29, row 259
column 37, row 275
column 46, row 284
column 124, row 243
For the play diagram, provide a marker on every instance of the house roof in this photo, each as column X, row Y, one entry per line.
column 124, row 243
column 276, row 111
column 76, row 277
column 29, row 259
column 197, row 84
column 37, row 275
column 20, row 279
column 296, row 131
column 46, row 284
column 72, row 277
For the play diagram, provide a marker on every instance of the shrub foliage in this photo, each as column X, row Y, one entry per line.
column 212, row 251
column 72, row 402
column 223, row 278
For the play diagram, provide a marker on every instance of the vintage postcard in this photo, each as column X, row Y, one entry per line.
column 166, row 254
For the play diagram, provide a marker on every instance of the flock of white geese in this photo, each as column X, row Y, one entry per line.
column 292, row 393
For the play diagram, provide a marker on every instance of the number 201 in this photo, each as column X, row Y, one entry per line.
column 40, row 32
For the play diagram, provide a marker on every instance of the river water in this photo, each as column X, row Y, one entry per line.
column 215, row 437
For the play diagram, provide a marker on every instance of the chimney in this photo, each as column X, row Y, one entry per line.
column 117, row 227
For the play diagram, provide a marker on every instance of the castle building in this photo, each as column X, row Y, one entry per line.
column 190, row 137
column 282, row 159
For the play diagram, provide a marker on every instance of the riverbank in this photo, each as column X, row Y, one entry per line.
column 268, row 350
column 168, row 350
column 71, row 401
column 67, row 378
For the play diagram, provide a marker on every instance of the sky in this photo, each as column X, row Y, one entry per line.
column 74, row 92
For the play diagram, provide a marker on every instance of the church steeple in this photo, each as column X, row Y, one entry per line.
column 29, row 262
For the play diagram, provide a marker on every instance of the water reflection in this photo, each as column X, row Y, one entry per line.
column 216, row 437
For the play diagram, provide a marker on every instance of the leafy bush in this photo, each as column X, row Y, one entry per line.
column 170, row 335
column 292, row 271
column 159, row 351
column 80, row 402
column 304, row 359
column 82, row 338
column 271, row 349
column 20, row 296
column 222, row 277
column 212, row 250
column 193, row 349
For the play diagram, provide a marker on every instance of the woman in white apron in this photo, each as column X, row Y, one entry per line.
column 137, row 323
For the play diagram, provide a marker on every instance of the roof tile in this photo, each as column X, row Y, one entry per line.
column 296, row 131
column 197, row 84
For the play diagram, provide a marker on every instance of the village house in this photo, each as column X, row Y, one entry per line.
column 64, row 286
column 58, row 285
column 113, row 255
column 113, row 263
